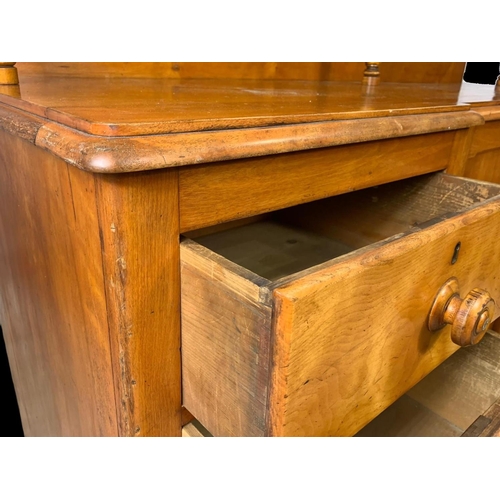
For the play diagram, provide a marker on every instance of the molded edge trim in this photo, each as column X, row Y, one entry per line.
column 131, row 154
column 489, row 113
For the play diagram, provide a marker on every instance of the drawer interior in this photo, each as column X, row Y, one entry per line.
column 312, row 320
column 288, row 241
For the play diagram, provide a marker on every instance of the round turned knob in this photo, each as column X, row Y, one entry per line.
column 469, row 317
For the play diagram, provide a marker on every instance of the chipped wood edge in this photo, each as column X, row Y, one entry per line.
column 20, row 123
column 130, row 154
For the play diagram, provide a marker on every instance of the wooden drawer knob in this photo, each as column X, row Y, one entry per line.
column 469, row 318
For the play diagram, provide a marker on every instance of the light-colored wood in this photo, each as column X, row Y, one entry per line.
column 338, row 358
column 130, row 106
column 225, row 345
column 486, row 138
column 361, row 218
column 192, row 430
column 272, row 249
column 465, row 386
column 10, row 90
column 453, row 400
column 8, row 74
column 52, row 301
column 482, row 160
column 189, row 430
column 460, row 151
column 112, row 155
column 152, row 124
column 90, row 296
column 469, row 317
column 139, row 224
column 384, row 347
column 20, row 124
column 213, row 194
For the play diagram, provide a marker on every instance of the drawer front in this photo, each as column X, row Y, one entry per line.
column 322, row 351
column 352, row 338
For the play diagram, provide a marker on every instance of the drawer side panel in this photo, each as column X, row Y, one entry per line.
column 225, row 348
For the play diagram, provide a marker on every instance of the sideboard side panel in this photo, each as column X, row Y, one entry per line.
column 52, row 302
column 139, row 220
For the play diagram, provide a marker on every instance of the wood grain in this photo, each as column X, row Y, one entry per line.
column 272, row 249
column 138, row 215
column 465, row 386
column 350, row 334
column 213, row 194
column 486, row 138
column 424, row 72
column 18, row 123
column 361, row 218
column 52, row 303
column 136, row 106
column 112, row 155
column 225, row 345
column 331, row 373
column 482, row 160
column 457, row 394
column 460, row 151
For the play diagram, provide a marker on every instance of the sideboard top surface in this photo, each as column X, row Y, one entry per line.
column 142, row 106
column 122, row 124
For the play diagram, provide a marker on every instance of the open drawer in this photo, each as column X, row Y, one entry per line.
column 313, row 320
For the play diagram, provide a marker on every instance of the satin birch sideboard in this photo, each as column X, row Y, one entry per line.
column 264, row 255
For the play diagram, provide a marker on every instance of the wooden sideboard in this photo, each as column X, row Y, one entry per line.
column 121, row 298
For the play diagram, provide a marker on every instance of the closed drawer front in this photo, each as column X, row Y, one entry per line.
column 312, row 321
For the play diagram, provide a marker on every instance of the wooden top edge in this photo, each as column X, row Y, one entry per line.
column 24, row 125
column 489, row 113
column 120, row 107
column 132, row 154
column 145, row 127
